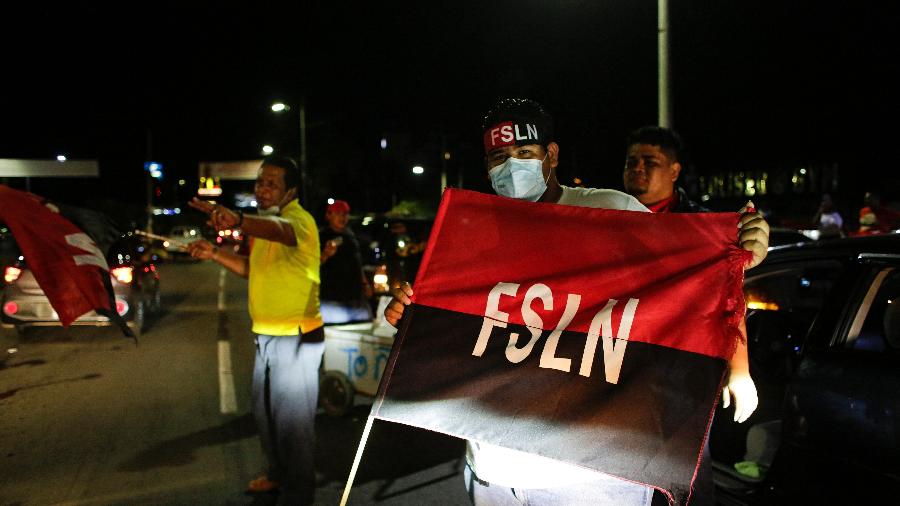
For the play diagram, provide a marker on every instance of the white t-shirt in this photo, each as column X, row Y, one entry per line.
column 599, row 198
column 831, row 220
column 515, row 469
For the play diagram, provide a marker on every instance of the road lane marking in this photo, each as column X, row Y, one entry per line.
column 227, row 397
column 221, row 303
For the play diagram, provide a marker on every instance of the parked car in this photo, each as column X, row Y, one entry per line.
column 184, row 234
column 824, row 344
column 134, row 277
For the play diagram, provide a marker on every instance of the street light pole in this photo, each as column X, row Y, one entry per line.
column 278, row 107
column 303, row 157
column 665, row 108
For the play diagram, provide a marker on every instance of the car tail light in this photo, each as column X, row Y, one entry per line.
column 10, row 308
column 121, row 307
column 122, row 274
column 11, row 274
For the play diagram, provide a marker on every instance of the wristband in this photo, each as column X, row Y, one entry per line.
column 240, row 214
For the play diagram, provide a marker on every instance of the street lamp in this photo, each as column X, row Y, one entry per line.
column 61, row 158
column 418, row 169
column 267, row 150
column 279, row 107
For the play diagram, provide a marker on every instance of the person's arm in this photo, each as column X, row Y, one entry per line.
column 270, row 228
column 740, row 386
column 817, row 218
column 204, row 250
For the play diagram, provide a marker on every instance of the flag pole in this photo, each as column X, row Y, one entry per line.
column 357, row 459
column 379, row 399
column 157, row 237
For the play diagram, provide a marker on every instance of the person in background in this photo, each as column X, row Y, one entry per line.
column 875, row 218
column 283, row 297
column 345, row 291
column 828, row 220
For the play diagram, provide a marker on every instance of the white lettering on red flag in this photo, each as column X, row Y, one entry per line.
column 84, row 242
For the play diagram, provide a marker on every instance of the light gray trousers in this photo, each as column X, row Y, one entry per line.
column 285, row 394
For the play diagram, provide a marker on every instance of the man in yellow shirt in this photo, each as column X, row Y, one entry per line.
column 283, row 295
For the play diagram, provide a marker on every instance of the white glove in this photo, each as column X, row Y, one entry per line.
column 741, row 387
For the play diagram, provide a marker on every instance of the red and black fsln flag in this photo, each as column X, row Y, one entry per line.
column 595, row 337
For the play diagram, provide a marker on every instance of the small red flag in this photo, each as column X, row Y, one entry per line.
column 65, row 261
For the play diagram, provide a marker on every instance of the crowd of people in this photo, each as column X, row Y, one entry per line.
column 301, row 275
column 874, row 218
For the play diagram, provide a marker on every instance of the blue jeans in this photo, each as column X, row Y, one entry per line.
column 606, row 491
column 285, row 394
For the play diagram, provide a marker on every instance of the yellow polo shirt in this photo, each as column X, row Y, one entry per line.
column 283, row 288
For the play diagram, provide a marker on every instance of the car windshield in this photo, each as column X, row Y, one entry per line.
column 9, row 250
column 797, row 289
column 125, row 250
column 782, row 304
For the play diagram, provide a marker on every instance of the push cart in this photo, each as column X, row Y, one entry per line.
column 354, row 359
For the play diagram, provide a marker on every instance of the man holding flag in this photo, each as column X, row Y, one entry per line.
column 521, row 159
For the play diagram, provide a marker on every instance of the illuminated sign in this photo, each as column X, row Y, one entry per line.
column 209, row 187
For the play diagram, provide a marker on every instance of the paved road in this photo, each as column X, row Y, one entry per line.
column 89, row 418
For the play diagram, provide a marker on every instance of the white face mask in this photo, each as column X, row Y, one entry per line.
column 520, row 179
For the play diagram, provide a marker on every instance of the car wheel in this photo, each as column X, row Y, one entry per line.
column 137, row 322
column 335, row 393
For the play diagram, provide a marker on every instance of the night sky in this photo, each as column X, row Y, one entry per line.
column 755, row 84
